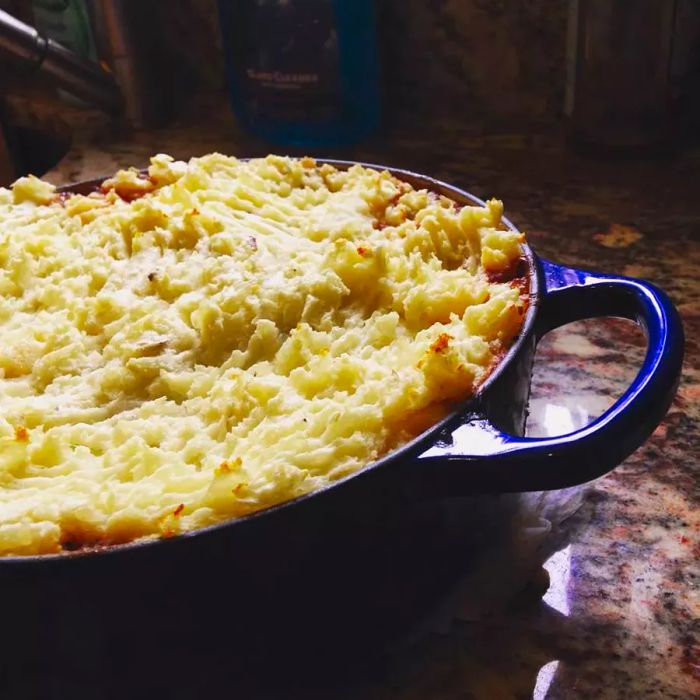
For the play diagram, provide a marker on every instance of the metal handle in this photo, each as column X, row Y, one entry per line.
column 482, row 458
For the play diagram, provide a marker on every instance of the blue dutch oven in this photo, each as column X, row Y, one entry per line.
column 344, row 568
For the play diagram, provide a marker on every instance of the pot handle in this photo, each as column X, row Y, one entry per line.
column 481, row 458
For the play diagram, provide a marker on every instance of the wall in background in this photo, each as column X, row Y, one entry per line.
column 497, row 59
column 491, row 61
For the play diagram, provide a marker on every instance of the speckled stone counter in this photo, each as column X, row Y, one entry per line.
column 620, row 612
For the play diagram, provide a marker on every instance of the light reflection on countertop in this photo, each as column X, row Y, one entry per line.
column 544, row 680
column 558, row 566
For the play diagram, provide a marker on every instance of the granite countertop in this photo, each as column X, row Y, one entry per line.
column 619, row 616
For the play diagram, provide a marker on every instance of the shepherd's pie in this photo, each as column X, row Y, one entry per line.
column 214, row 337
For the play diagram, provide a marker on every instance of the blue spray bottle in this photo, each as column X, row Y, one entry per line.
column 303, row 72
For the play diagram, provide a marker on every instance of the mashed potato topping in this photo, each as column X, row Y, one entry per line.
column 219, row 336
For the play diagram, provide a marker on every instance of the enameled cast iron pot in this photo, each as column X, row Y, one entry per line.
column 330, row 571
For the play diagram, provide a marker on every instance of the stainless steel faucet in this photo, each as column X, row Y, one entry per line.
column 67, row 70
